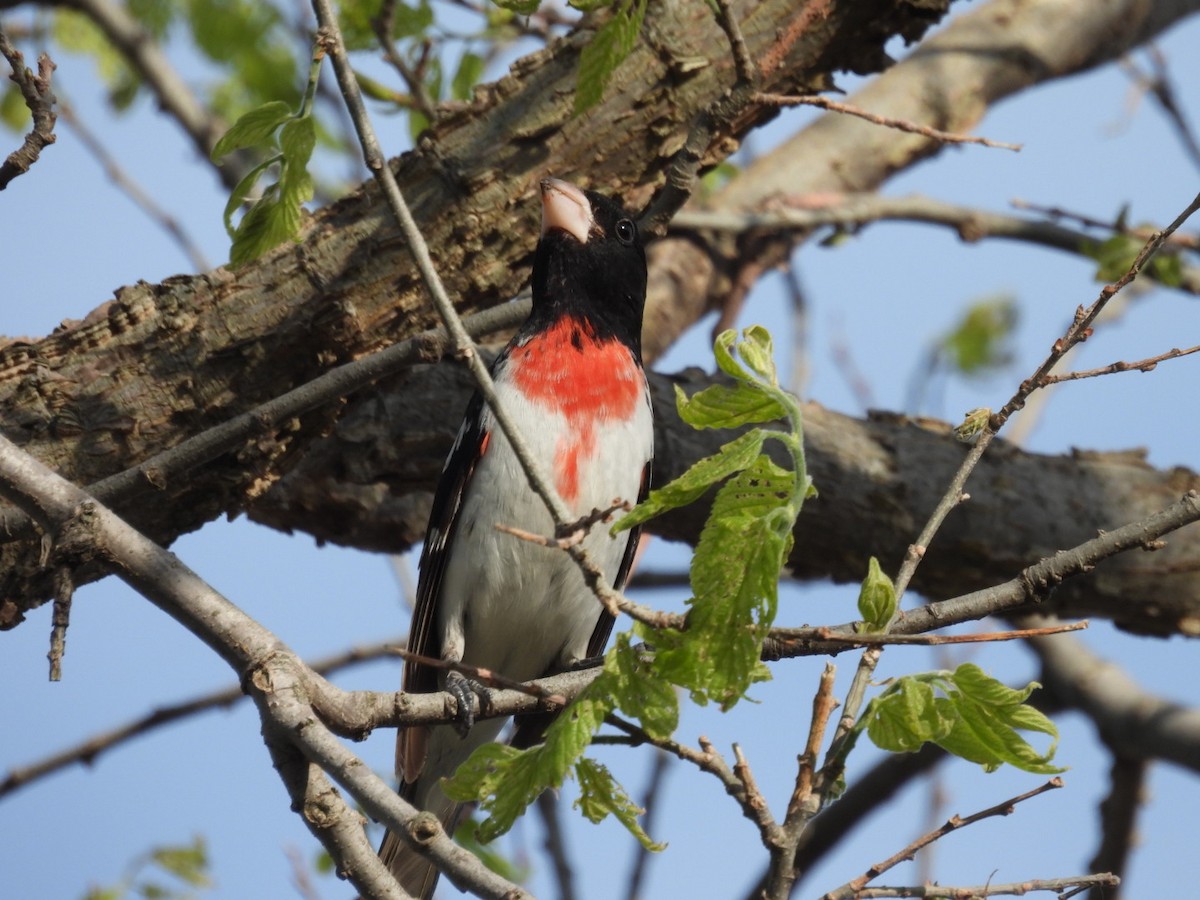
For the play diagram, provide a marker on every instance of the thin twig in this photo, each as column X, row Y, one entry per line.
column 35, row 90
column 555, row 845
column 824, row 703
column 854, row 887
column 1118, row 816
column 825, row 103
column 171, row 91
column 1142, row 365
column 854, row 210
column 641, row 856
column 86, row 752
column 1016, row 888
column 571, row 533
column 743, row 65
column 127, row 185
column 825, row 633
column 485, row 676
column 418, row 94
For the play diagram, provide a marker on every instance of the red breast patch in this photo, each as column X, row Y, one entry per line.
column 587, row 380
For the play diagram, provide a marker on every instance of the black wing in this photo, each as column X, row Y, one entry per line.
column 605, row 623
column 460, row 465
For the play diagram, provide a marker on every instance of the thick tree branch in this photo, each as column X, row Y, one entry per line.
column 35, row 90
column 214, row 346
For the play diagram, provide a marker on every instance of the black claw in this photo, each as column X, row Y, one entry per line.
column 464, row 689
column 460, row 686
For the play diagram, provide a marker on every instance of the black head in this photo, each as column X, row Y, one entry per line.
column 590, row 262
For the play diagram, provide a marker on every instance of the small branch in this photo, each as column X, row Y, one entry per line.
column 35, row 89
column 126, row 184
column 64, row 591
column 825, row 103
column 824, row 703
column 1017, row 888
column 145, row 56
column 485, row 676
column 570, row 534
column 1118, row 818
column 556, row 846
column 707, row 759
column 383, row 25
column 804, row 213
column 1159, row 86
column 826, row 633
column 743, row 65
column 855, row 887
column 1142, row 365
column 86, row 752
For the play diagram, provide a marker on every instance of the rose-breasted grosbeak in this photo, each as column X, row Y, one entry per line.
column 573, row 382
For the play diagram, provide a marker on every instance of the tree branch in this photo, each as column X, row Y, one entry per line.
column 35, row 90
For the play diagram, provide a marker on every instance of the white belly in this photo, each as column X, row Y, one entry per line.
column 518, row 608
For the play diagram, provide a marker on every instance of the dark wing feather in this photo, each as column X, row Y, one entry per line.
column 443, row 521
column 423, row 637
column 605, row 623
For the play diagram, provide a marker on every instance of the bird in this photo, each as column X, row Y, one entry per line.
column 573, row 382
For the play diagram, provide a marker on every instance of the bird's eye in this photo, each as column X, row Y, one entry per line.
column 626, row 231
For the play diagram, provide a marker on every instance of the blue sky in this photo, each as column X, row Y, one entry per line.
column 71, row 239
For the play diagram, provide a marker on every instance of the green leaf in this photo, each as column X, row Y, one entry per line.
column 1115, row 255
column 758, row 352
column 466, row 835
column 728, row 406
column 242, row 190
column 639, row 692
column 978, row 719
column 254, row 129
column 267, row 224
column 723, row 353
column 981, row 341
column 734, row 576
column 691, row 485
column 607, row 49
column 876, row 598
column 520, row 7
column 466, row 76
column 601, row 796
column 1167, row 267
column 13, row 111
column 188, row 862
column 907, row 716
column 297, row 139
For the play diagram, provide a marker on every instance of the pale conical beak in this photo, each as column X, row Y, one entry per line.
column 566, row 208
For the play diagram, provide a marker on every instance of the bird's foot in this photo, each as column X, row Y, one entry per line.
column 464, row 689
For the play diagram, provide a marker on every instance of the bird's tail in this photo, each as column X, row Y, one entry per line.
column 415, row 873
column 441, row 752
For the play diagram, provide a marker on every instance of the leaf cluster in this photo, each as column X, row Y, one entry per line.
column 172, row 872
column 966, row 712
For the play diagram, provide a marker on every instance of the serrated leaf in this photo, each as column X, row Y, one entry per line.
column 600, row 796
column 723, row 353
column 728, row 406
column 983, row 688
column 876, row 598
column 639, row 692
column 907, row 716
column 266, row 225
column 607, row 49
column 758, row 352
column 254, row 129
column 703, row 474
column 734, row 577
column 297, row 139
